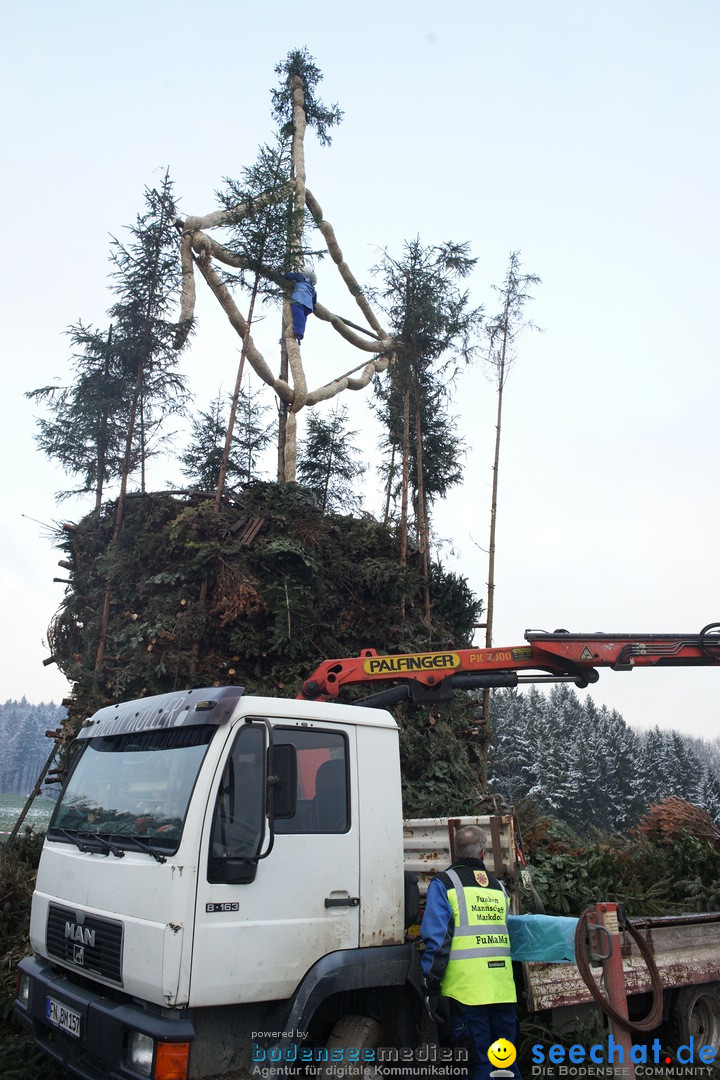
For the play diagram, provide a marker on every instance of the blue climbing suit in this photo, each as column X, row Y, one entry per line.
column 302, row 302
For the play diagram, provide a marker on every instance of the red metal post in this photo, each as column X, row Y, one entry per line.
column 616, row 993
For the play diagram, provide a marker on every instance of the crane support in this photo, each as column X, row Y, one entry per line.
column 557, row 657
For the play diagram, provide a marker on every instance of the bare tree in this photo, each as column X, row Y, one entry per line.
column 501, row 333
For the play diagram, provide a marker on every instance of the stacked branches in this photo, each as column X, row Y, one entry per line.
column 287, row 587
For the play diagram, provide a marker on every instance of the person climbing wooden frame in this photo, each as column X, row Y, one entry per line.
column 199, row 250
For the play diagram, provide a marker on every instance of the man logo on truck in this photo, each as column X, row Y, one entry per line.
column 79, row 933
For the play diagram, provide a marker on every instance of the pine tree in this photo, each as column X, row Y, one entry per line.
column 619, row 752
column 206, row 453
column 433, row 328
column 299, row 64
column 329, row 463
column 684, row 769
column 254, row 432
column 563, row 734
column 86, row 430
column 105, row 424
column 511, row 747
column 260, row 237
column 146, row 282
column 709, row 796
column 203, row 456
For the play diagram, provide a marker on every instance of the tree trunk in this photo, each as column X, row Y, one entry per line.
column 485, row 722
column 291, row 362
column 102, row 442
column 195, row 650
column 235, row 399
column 423, row 526
column 493, row 516
column 328, row 473
column 119, row 517
column 142, row 444
column 282, row 426
column 388, row 490
column 404, row 488
column 405, row 477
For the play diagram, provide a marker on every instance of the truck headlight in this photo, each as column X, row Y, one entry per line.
column 140, row 1052
column 171, row 1059
column 23, row 989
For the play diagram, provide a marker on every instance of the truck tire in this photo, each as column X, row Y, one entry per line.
column 697, row 1013
column 355, row 1033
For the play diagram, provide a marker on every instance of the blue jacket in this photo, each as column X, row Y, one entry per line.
column 304, row 292
column 436, row 932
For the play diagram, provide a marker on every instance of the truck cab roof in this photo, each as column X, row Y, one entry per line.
column 217, row 706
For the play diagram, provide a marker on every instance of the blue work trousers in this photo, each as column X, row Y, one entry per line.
column 477, row 1027
column 299, row 317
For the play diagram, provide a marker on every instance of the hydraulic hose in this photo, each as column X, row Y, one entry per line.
column 703, row 643
column 654, row 1016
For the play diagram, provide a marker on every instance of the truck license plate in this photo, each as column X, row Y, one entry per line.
column 60, row 1016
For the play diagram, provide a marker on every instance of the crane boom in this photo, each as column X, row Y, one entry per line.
column 547, row 657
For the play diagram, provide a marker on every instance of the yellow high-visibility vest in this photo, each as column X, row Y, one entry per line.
column 479, row 970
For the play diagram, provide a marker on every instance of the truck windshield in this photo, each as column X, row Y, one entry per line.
column 134, row 788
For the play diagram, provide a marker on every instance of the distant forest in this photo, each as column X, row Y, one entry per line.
column 583, row 764
column 24, row 746
column 577, row 761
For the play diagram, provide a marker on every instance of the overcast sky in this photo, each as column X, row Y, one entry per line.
column 584, row 135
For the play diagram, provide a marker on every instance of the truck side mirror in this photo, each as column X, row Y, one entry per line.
column 283, row 780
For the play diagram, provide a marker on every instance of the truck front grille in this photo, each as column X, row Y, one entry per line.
column 87, row 942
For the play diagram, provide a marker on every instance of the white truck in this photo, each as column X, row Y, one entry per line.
column 221, row 883
column 223, row 886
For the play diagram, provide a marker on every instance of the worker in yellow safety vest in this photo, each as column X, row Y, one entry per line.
column 466, row 958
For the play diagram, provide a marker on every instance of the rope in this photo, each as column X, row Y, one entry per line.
column 654, row 1016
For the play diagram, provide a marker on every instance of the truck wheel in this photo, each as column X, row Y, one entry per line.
column 697, row 1013
column 356, row 1033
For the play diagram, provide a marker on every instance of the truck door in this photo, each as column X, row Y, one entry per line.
column 255, row 940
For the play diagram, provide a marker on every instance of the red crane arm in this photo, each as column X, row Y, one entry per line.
column 556, row 657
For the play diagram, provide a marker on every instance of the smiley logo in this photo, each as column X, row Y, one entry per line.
column 502, row 1053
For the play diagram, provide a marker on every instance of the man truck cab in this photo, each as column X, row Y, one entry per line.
column 220, row 872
